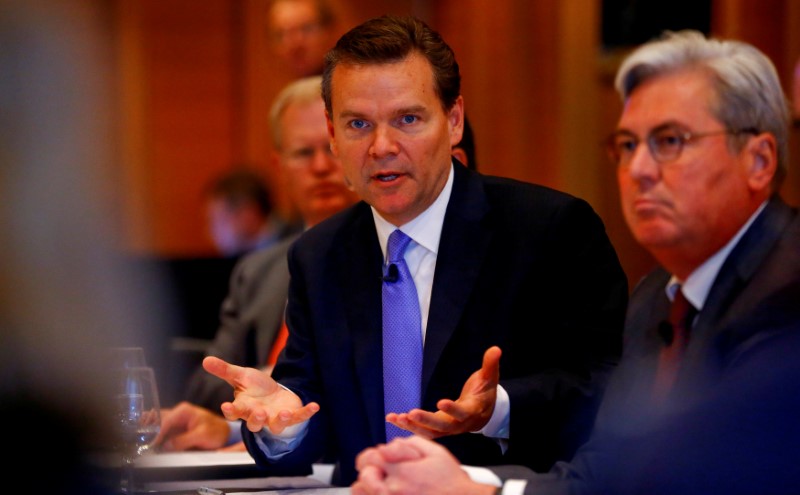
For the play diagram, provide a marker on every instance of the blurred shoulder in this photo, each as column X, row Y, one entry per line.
column 262, row 259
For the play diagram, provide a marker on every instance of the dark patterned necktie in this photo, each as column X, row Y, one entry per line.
column 402, row 335
column 675, row 333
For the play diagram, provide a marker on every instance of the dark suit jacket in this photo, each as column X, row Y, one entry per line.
column 250, row 317
column 732, row 422
column 520, row 266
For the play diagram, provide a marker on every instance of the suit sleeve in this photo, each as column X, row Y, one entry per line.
column 579, row 304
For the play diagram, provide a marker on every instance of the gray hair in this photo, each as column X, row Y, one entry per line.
column 305, row 90
column 749, row 92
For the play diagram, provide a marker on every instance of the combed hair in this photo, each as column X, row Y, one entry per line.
column 305, row 90
column 749, row 92
column 388, row 39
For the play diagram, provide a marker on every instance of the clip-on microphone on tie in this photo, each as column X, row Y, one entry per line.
column 391, row 274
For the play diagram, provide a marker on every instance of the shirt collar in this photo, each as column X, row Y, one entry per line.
column 426, row 228
column 698, row 284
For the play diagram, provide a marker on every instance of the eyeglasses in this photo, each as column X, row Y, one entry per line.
column 304, row 156
column 665, row 142
column 305, row 30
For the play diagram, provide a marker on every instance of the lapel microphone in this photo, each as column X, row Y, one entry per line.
column 391, row 274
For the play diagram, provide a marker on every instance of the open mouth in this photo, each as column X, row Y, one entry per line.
column 386, row 178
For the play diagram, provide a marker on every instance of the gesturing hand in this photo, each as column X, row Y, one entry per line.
column 258, row 399
column 470, row 412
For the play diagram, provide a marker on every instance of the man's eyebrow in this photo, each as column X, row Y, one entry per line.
column 663, row 125
column 346, row 114
column 411, row 109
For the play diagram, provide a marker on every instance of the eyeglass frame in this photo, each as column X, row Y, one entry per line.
column 684, row 137
column 303, row 156
column 304, row 30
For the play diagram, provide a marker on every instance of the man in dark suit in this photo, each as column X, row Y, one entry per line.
column 252, row 312
column 498, row 266
column 702, row 402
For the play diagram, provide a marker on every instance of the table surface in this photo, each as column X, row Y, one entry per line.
column 184, row 473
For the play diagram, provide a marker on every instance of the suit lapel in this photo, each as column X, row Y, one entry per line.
column 360, row 261
column 464, row 242
column 742, row 263
column 725, row 303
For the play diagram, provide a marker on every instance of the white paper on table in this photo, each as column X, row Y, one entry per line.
column 194, row 459
column 317, row 482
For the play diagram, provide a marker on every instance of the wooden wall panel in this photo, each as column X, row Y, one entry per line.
column 178, row 59
column 264, row 76
column 197, row 80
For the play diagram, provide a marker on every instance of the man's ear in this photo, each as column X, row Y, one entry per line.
column 455, row 120
column 460, row 155
column 331, row 134
column 763, row 156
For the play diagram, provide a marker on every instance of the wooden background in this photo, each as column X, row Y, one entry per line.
column 195, row 79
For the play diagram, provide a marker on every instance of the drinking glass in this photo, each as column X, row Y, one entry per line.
column 138, row 418
column 126, row 357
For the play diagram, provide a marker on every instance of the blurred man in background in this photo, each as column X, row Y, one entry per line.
column 251, row 331
column 300, row 32
column 241, row 213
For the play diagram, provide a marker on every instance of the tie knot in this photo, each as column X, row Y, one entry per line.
column 398, row 242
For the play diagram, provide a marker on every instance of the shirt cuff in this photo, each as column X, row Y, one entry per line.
column 234, row 432
column 278, row 445
column 498, row 425
column 488, row 477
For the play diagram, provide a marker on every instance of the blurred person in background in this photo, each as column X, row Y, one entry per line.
column 65, row 292
column 300, row 32
column 705, row 398
column 252, row 313
column 241, row 213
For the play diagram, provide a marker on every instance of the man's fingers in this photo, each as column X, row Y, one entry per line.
column 491, row 363
column 306, row 412
column 400, row 450
column 219, row 368
column 403, row 421
column 453, row 409
column 424, row 446
column 369, row 457
column 370, row 482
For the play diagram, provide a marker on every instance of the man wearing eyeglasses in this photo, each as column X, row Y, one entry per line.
column 705, row 399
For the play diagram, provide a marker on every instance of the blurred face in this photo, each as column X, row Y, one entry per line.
column 684, row 210
column 233, row 229
column 313, row 176
column 394, row 138
column 297, row 36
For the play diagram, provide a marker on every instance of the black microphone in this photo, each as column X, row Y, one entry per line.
column 666, row 332
column 391, row 274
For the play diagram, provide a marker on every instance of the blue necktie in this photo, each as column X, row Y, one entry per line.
column 402, row 335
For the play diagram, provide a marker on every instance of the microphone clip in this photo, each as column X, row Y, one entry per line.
column 391, row 275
